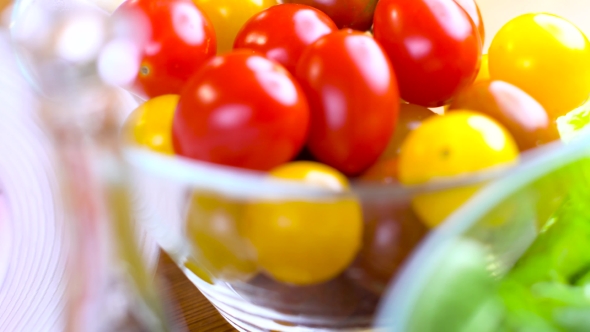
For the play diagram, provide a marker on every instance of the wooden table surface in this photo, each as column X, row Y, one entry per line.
column 191, row 306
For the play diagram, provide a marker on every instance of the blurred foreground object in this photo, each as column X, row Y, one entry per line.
column 61, row 49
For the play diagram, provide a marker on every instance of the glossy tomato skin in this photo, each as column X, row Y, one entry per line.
column 459, row 143
column 150, row 125
column 178, row 39
column 353, row 14
column 258, row 121
column 354, row 100
column 282, row 32
column 434, row 56
column 472, row 9
column 454, row 144
column 523, row 116
column 547, row 57
column 321, row 237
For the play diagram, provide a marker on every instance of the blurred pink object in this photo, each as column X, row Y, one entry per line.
column 5, row 236
column 33, row 249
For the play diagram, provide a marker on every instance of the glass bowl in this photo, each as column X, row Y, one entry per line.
column 195, row 211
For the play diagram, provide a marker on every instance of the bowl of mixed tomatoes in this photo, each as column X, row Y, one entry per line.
column 293, row 155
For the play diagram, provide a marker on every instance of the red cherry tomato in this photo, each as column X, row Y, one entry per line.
column 282, row 32
column 354, row 99
column 433, row 45
column 241, row 110
column 175, row 40
column 354, row 14
column 473, row 10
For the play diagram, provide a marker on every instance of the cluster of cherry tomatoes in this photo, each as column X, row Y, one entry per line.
column 252, row 84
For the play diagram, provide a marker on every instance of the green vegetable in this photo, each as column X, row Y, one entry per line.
column 571, row 124
column 463, row 296
column 561, row 253
column 548, row 289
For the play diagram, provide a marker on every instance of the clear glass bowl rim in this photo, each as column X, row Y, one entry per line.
column 248, row 184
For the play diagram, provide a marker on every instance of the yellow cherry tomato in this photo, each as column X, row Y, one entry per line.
column 306, row 242
column 433, row 208
column 150, row 125
column 547, row 57
column 228, row 17
column 213, row 227
column 458, row 143
column 484, row 70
